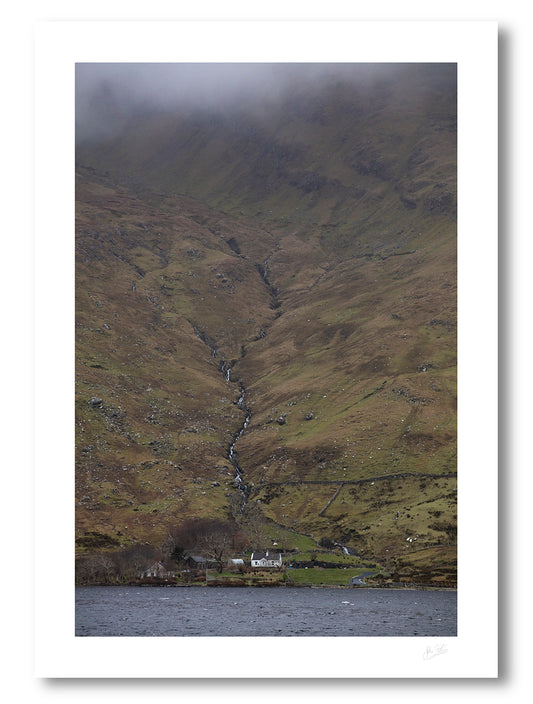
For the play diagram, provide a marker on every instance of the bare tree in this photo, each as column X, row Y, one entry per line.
column 96, row 568
column 136, row 559
column 215, row 539
column 254, row 524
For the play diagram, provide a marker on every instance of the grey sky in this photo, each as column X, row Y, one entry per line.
column 106, row 94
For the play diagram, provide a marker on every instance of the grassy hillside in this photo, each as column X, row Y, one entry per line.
column 306, row 255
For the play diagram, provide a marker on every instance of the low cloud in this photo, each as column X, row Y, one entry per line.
column 107, row 95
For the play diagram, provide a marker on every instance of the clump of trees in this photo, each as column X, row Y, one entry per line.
column 215, row 539
column 115, row 566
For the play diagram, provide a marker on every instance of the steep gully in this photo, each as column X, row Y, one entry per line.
column 225, row 368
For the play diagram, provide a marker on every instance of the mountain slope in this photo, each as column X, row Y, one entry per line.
column 296, row 265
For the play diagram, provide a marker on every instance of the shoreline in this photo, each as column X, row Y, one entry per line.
column 396, row 586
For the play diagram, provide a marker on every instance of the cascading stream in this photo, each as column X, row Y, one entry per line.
column 232, row 456
column 225, row 369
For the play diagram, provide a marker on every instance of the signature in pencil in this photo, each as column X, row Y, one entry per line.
column 433, row 650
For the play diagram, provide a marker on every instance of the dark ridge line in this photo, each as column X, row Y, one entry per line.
column 396, row 254
column 204, row 337
column 342, row 482
column 337, row 492
column 275, row 303
column 319, row 278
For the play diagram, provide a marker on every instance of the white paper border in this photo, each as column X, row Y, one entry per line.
column 58, row 46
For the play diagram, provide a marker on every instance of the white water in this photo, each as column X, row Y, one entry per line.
column 231, row 452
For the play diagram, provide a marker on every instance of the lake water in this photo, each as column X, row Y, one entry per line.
column 248, row 611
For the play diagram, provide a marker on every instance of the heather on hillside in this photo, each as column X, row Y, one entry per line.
column 266, row 312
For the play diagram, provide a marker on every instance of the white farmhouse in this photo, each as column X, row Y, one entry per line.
column 266, row 559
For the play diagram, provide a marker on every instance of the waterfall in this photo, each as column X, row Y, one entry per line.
column 232, row 456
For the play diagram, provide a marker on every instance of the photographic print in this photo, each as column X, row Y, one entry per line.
column 267, row 295
column 266, row 349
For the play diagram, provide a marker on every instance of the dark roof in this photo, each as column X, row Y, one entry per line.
column 266, row 555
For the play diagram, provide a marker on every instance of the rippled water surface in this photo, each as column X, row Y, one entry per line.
column 231, row 611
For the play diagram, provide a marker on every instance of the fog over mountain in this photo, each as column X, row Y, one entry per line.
column 107, row 95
